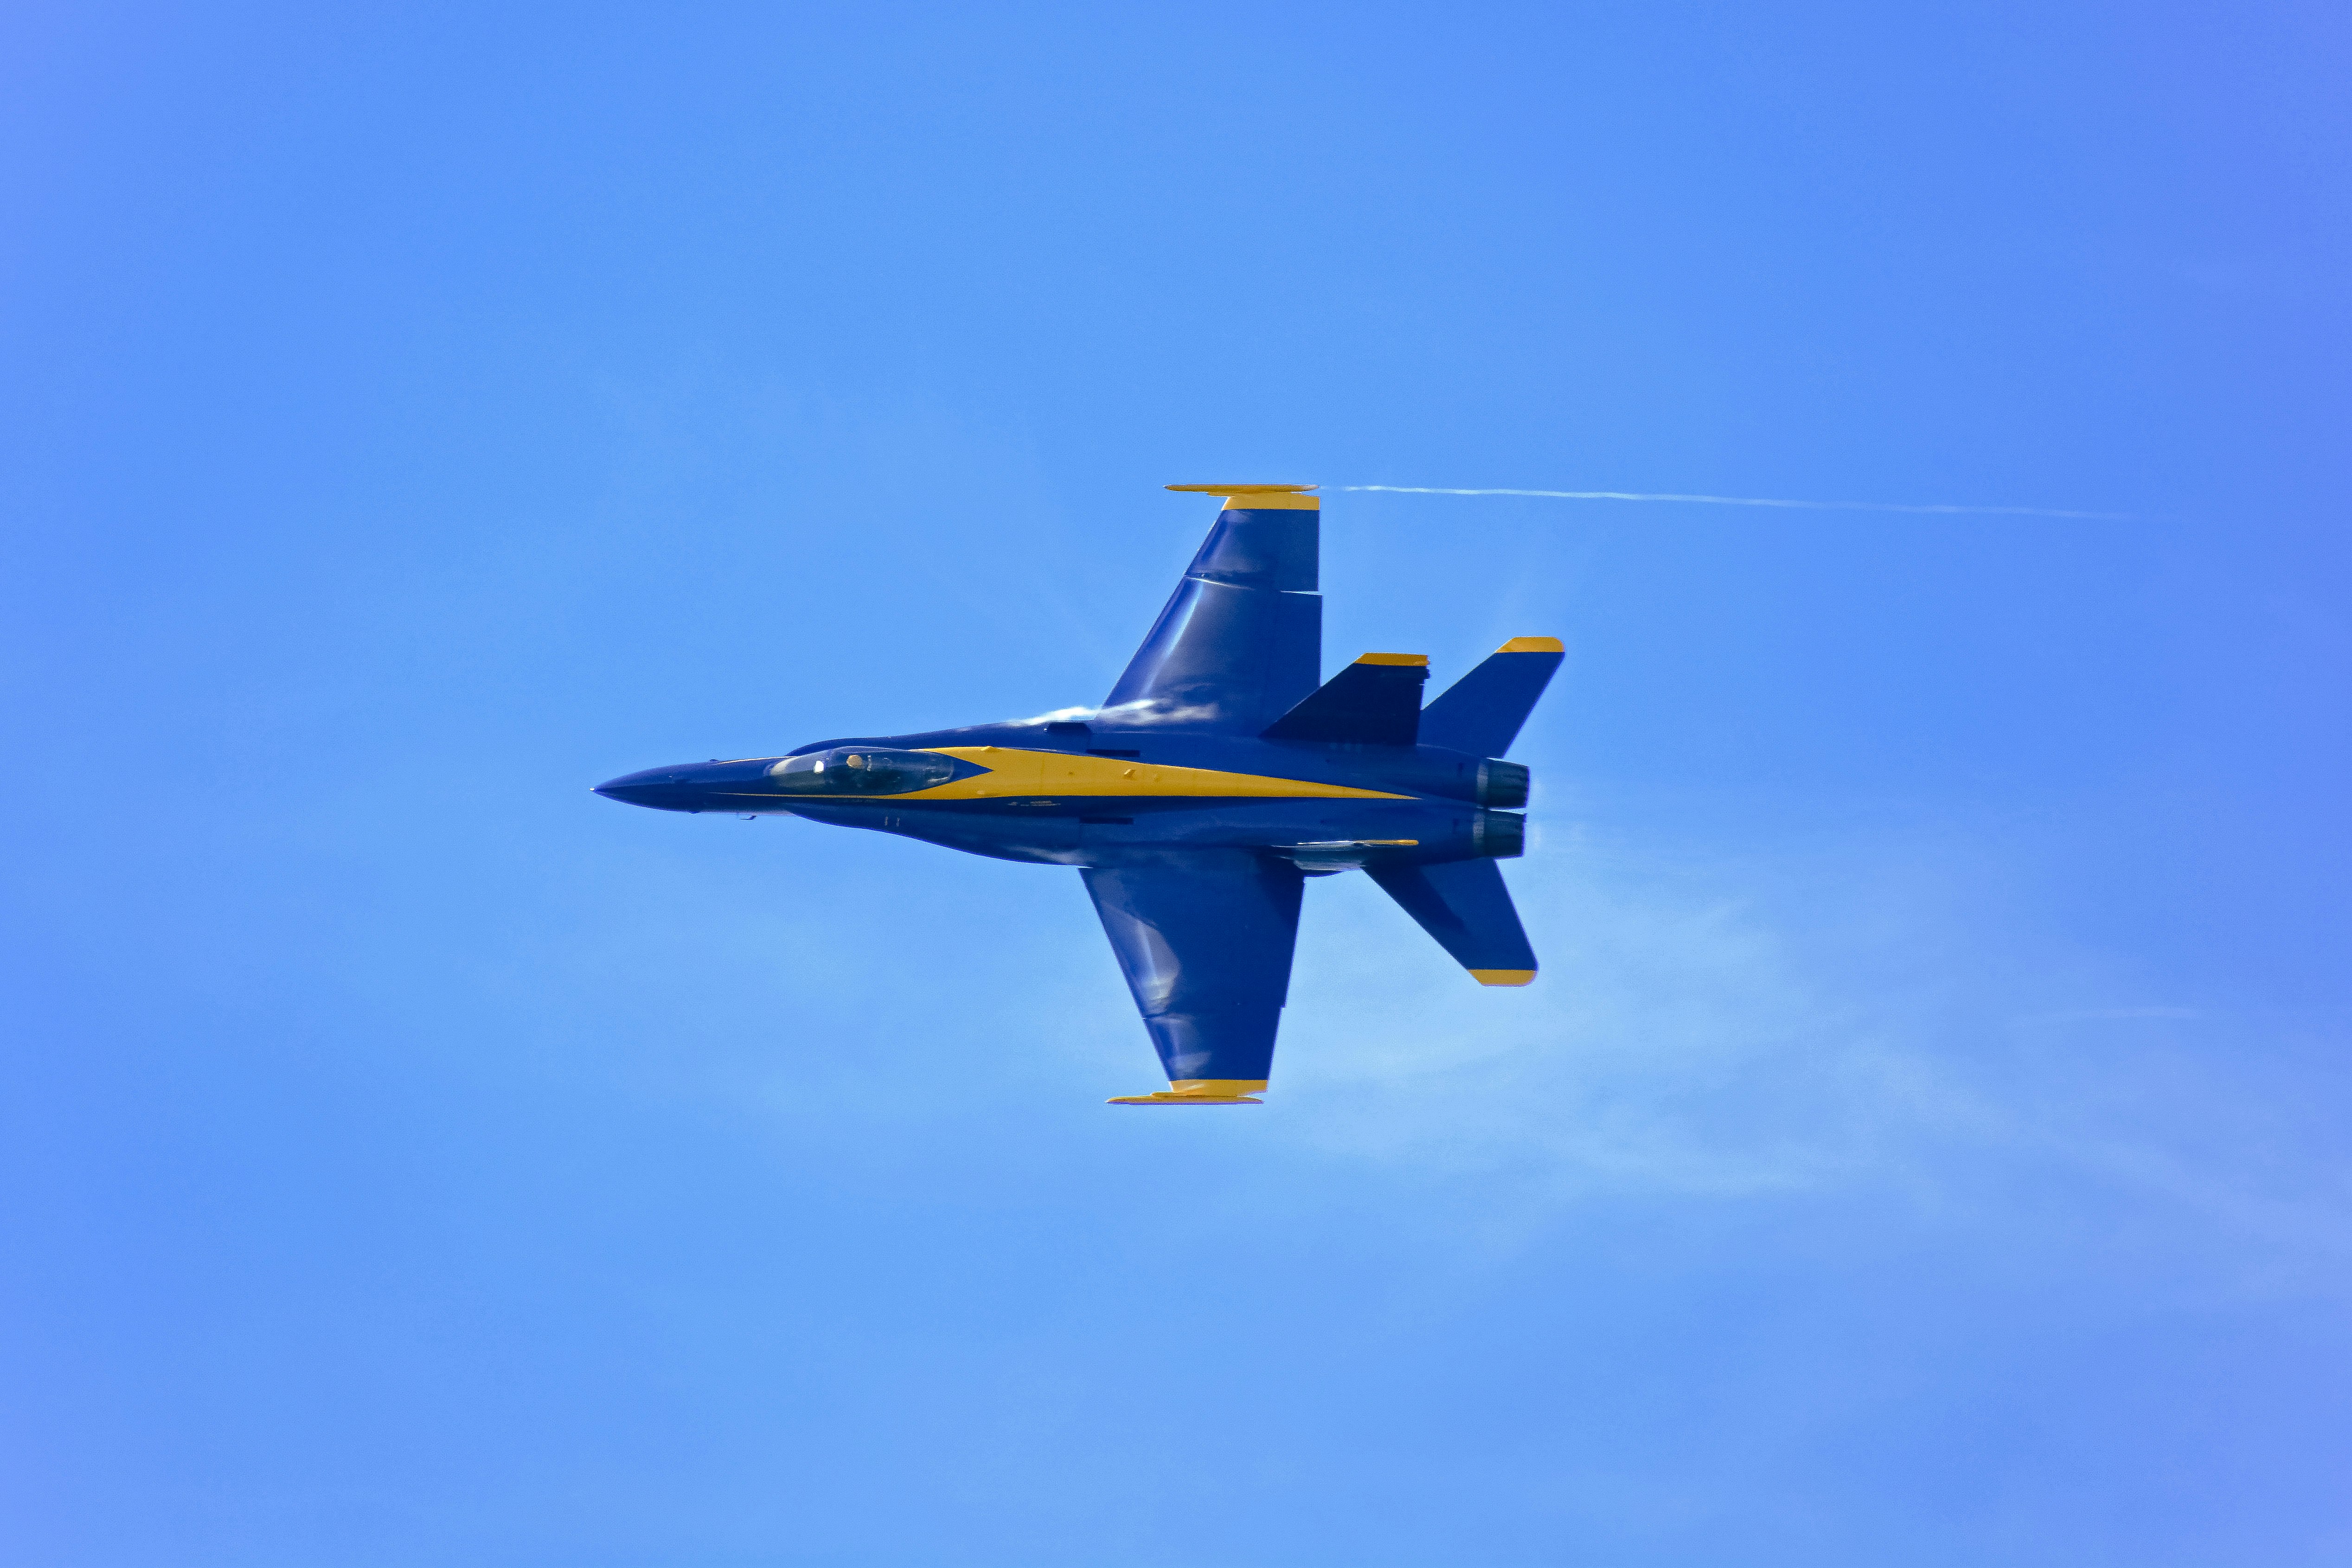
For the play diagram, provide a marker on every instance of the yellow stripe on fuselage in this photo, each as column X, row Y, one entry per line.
column 1049, row 773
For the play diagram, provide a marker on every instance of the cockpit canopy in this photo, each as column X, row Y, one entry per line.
column 859, row 770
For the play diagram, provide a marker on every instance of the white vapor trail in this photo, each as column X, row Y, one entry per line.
column 1749, row 501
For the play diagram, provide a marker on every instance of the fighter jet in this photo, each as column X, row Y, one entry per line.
column 1220, row 774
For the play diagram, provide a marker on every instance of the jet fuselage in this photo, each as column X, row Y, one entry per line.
column 1062, row 793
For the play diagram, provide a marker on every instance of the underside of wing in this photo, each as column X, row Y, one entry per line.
column 1240, row 640
column 1205, row 938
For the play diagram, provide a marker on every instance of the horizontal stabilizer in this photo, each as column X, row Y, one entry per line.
column 1482, row 712
column 1375, row 701
column 1466, row 906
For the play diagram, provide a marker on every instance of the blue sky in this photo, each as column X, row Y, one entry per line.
column 1926, row 1144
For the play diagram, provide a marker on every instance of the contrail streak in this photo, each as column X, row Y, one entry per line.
column 1752, row 501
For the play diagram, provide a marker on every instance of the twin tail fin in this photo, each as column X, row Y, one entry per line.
column 1377, row 701
column 1482, row 712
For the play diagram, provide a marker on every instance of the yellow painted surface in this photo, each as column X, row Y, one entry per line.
column 1502, row 977
column 1046, row 774
column 1532, row 645
column 1200, row 1092
column 1259, row 498
column 1420, row 659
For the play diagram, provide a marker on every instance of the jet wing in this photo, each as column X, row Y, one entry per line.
column 1241, row 641
column 1204, row 938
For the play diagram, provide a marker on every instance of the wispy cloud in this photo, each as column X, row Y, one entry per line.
column 1672, row 1045
column 1745, row 1029
column 1924, row 511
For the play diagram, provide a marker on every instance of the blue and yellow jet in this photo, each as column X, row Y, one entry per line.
column 1217, row 777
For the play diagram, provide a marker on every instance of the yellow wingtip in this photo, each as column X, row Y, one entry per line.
column 1259, row 498
column 1532, row 645
column 1200, row 1092
column 1504, row 976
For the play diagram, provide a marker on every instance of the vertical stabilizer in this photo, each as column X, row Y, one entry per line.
column 1375, row 701
column 1482, row 712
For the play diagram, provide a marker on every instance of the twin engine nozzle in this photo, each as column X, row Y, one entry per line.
column 1502, row 784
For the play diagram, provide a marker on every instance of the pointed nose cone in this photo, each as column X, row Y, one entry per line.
column 659, row 788
column 713, row 786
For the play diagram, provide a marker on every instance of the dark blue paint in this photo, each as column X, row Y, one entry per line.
column 1376, row 705
column 1481, row 713
column 1163, row 911
column 1241, row 638
column 1466, row 906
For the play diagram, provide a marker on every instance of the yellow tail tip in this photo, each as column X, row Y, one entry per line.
column 1532, row 645
column 1504, row 976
